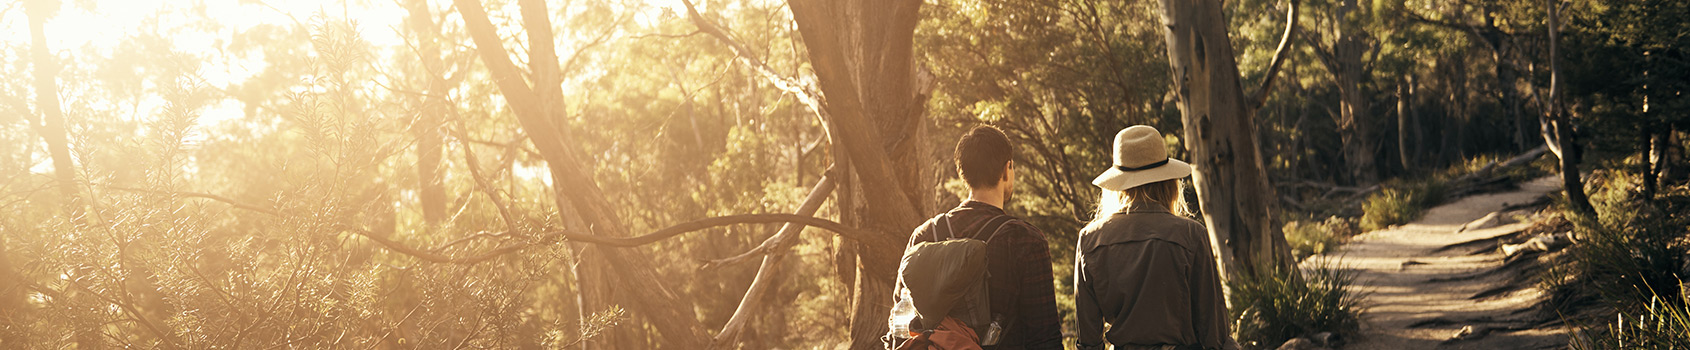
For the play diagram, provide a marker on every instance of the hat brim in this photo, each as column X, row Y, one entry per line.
column 1116, row 180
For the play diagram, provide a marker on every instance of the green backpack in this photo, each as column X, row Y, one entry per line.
column 946, row 278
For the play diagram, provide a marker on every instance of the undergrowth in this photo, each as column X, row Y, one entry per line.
column 1631, row 260
column 1318, row 237
column 1271, row 307
column 1403, row 200
column 1399, row 203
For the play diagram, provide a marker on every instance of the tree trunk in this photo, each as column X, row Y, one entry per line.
column 52, row 126
column 610, row 276
column 1558, row 124
column 1404, row 93
column 1653, row 143
column 1220, row 136
column 431, row 193
column 1355, row 123
column 1674, row 170
column 861, row 51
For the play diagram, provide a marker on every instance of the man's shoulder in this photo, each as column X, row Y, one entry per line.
column 923, row 232
column 1017, row 229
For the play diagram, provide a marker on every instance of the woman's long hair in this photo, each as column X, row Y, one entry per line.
column 1166, row 193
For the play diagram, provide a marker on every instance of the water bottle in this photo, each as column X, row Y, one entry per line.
column 902, row 314
column 993, row 332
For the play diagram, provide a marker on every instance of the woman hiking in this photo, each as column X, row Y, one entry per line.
column 1142, row 268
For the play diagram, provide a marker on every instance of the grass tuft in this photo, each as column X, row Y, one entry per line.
column 1272, row 307
column 1318, row 237
column 1400, row 203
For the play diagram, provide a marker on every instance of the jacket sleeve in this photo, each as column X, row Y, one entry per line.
column 1087, row 316
column 1038, row 299
column 1214, row 330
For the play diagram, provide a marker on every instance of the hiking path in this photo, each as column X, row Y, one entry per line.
column 1441, row 283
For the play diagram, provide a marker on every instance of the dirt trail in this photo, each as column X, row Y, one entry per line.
column 1425, row 281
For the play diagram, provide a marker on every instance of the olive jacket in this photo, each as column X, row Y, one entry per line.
column 1151, row 276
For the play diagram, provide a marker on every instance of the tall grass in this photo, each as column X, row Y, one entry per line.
column 1631, row 258
column 1271, row 307
column 1663, row 324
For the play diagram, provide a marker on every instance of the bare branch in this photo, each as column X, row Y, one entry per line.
column 667, row 36
column 808, row 93
column 481, row 182
column 432, row 256
column 225, row 200
column 1255, row 100
column 707, row 223
column 696, row 225
column 753, row 299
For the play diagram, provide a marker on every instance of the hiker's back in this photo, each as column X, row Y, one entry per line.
column 1020, row 288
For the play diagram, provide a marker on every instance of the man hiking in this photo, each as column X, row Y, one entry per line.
column 1018, row 279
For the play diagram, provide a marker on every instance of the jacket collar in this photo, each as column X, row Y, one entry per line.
column 1146, row 207
column 978, row 205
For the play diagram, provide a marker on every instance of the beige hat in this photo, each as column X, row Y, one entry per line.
column 1140, row 158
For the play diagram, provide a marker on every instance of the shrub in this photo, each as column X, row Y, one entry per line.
column 1310, row 238
column 1272, row 307
column 1630, row 259
column 1399, row 204
column 1634, row 248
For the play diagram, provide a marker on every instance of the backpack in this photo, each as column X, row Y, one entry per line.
column 943, row 294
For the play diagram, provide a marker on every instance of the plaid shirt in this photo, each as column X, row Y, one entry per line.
column 1021, row 283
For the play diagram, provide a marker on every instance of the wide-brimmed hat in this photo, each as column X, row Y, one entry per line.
column 1140, row 158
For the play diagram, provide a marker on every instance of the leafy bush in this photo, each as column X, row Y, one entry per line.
column 1400, row 204
column 1310, row 237
column 1270, row 307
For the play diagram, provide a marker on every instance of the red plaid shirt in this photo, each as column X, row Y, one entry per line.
column 1021, row 283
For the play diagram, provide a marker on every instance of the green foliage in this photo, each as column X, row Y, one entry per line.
column 1630, row 259
column 1318, row 237
column 1399, row 203
column 1271, row 307
column 1635, row 248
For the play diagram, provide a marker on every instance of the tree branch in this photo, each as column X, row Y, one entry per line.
column 794, row 222
column 809, row 94
column 1321, row 52
column 753, row 299
column 225, row 200
column 707, row 223
column 1255, row 100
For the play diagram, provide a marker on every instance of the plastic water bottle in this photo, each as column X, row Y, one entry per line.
column 993, row 332
column 902, row 314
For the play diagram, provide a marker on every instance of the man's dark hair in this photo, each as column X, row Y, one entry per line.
column 981, row 155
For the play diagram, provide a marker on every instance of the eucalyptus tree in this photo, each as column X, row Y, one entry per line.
column 1220, row 134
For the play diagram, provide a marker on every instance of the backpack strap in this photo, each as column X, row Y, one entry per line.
column 1002, row 221
column 944, row 219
